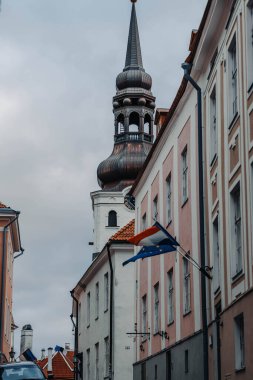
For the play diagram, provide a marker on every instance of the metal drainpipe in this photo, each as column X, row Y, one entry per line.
column 76, row 332
column 187, row 67
column 3, row 278
column 111, row 314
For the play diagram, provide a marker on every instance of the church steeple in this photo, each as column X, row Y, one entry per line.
column 133, row 56
column 133, row 108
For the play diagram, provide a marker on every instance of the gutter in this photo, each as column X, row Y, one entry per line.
column 111, row 313
column 2, row 300
column 76, row 333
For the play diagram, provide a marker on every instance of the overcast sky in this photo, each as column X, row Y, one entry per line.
column 58, row 64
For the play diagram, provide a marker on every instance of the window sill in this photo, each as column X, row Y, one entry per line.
column 213, row 160
column 105, row 311
column 187, row 313
column 240, row 370
column 156, row 333
column 217, row 291
column 170, row 323
column 184, row 202
column 250, row 90
column 96, row 318
column 88, row 326
column 237, row 276
column 169, row 223
column 232, row 123
column 111, row 227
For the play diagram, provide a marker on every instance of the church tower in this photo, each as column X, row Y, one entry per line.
column 133, row 108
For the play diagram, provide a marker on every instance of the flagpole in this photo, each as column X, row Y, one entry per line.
column 187, row 68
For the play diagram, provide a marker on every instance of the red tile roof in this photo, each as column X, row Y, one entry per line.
column 124, row 233
column 63, row 367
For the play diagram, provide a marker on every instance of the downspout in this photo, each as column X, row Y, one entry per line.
column 187, row 67
column 3, row 278
column 111, row 314
column 76, row 333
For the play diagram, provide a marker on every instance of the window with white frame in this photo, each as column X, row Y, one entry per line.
column 239, row 342
column 236, row 233
column 106, row 291
column 184, row 165
column 169, row 198
column 144, row 316
column 155, row 208
column 187, row 286
column 97, row 361
column 216, row 255
column 213, row 125
column 88, row 309
column 170, row 297
column 144, row 222
column 106, row 357
column 156, row 308
column 250, row 43
column 88, row 364
column 97, row 301
column 232, row 79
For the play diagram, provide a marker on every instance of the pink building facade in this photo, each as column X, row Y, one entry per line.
column 168, row 311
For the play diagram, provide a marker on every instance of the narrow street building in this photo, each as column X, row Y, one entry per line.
column 9, row 245
column 169, row 287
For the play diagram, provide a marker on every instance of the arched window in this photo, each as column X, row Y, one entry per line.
column 112, row 219
column 120, row 124
column 147, row 124
column 134, row 122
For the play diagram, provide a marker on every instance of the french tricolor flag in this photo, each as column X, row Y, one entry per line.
column 155, row 241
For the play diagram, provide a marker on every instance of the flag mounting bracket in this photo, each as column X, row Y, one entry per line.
column 142, row 334
column 164, row 335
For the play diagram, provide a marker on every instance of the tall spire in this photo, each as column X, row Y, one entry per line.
column 133, row 108
column 133, row 56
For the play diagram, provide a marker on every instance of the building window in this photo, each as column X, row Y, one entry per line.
column 170, row 297
column 187, row 286
column 88, row 309
column 97, row 361
column 97, row 301
column 106, row 291
column 239, row 342
column 88, row 363
column 186, row 361
column 213, row 125
column 106, row 356
column 144, row 222
column 216, row 255
column 144, row 316
column 169, row 199
column 184, row 176
column 250, row 42
column 156, row 308
column 236, row 239
column 232, row 72
column 155, row 208
column 112, row 219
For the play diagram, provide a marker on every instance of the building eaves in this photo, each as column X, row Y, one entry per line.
column 179, row 95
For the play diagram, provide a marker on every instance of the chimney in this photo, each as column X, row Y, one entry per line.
column 50, row 362
column 26, row 338
column 67, row 346
column 43, row 353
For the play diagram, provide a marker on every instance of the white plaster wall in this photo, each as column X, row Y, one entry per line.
column 124, row 286
column 103, row 202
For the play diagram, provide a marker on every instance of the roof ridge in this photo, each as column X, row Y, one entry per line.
column 65, row 359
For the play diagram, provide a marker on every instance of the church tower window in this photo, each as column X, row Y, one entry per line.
column 112, row 219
